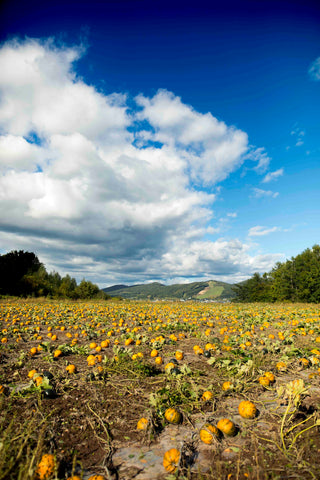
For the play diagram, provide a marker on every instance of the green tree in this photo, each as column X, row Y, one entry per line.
column 68, row 287
column 296, row 280
column 86, row 290
column 13, row 267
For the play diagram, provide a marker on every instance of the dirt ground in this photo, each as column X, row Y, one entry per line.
column 91, row 423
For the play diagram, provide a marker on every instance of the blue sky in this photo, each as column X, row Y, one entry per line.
column 146, row 141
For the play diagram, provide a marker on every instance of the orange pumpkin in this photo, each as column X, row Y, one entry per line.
column 209, row 433
column 247, row 409
column 270, row 376
column 169, row 366
column 46, row 466
column 142, row 424
column 38, row 380
column 71, row 369
column 173, row 415
column 227, row 427
column 226, row 386
column 171, row 460
column 179, row 355
column 264, row 381
column 207, row 396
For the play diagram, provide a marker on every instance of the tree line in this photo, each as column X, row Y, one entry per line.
column 22, row 274
column 296, row 280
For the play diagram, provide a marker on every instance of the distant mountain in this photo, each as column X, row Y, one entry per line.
column 115, row 287
column 210, row 290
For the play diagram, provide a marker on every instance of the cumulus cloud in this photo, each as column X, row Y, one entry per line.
column 101, row 189
column 210, row 149
column 17, row 153
column 259, row 193
column 259, row 231
column 314, row 70
column 273, row 175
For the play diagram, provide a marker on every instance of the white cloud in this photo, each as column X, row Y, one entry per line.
column 298, row 134
column 213, row 230
column 259, row 231
column 259, row 192
column 17, row 153
column 232, row 214
column 93, row 199
column 273, row 175
column 211, row 149
column 314, row 70
column 260, row 156
column 43, row 94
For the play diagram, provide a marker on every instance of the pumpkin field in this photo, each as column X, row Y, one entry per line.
column 159, row 390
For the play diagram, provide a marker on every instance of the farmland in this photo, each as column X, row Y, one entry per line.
column 91, row 384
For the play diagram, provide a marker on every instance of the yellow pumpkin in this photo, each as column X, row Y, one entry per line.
column 304, row 362
column 91, row 359
column 74, row 477
column 171, row 460
column 209, row 433
column 38, row 380
column 172, row 415
column 247, row 409
column 270, row 376
column 71, row 369
column 46, row 466
column 264, row 381
column 158, row 360
column 142, row 424
column 97, row 477
column 57, row 353
column 169, row 366
column 281, row 366
column 227, row 427
column 207, row 396
column 226, row 386
column 154, row 353
column 179, row 355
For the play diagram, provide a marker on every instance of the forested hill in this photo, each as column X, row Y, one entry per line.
column 296, row 280
column 210, row 290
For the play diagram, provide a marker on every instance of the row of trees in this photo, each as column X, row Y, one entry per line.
column 22, row 274
column 296, row 280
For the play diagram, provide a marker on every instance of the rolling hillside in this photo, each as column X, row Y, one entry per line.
column 210, row 290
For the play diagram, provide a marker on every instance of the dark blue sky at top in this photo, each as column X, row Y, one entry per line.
column 224, row 57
